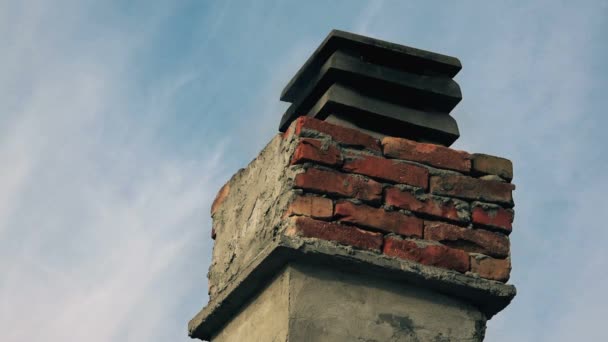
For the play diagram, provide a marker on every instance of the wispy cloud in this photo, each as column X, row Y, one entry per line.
column 368, row 15
column 99, row 228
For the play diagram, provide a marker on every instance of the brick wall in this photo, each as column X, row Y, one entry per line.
column 422, row 202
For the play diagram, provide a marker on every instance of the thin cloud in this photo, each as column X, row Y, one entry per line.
column 98, row 227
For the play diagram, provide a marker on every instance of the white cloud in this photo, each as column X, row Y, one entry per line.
column 370, row 13
column 100, row 230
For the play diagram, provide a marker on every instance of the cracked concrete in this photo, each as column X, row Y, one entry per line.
column 310, row 303
column 249, row 215
column 487, row 297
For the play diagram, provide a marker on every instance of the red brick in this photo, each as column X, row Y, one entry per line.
column 470, row 240
column 493, row 216
column 426, row 254
column 472, row 188
column 483, row 164
column 347, row 235
column 335, row 183
column 220, row 198
column 388, row 170
column 431, row 154
column 387, row 221
column 343, row 135
column 316, row 151
column 313, row 206
column 490, row 268
column 448, row 208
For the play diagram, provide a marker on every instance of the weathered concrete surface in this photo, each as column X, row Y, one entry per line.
column 489, row 297
column 329, row 305
column 250, row 212
column 264, row 318
column 317, row 303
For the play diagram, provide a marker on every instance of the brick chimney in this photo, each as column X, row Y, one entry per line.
column 356, row 222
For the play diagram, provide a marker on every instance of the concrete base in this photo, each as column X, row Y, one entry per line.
column 264, row 318
column 316, row 303
column 468, row 294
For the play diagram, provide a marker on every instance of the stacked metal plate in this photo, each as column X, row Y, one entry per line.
column 383, row 88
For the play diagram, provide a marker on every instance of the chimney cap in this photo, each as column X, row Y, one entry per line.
column 400, row 56
column 381, row 88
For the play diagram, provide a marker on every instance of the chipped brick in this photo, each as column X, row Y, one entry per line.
column 347, row 235
column 335, row 183
column 343, row 135
column 470, row 240
column 316, row 151
column 472, row 188
column 427, row 254
column 378, row 218
column 492, row 216
column 388, row 170
column 430, row 154
column 483, row 164
column 448, row 208
column 490, row 268
column 313, row 206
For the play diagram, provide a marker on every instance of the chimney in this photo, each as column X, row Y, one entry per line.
column 356, row 222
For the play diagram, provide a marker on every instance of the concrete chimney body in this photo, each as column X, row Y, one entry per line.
column 357, row 222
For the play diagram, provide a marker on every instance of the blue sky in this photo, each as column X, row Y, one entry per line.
column 120, row 120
